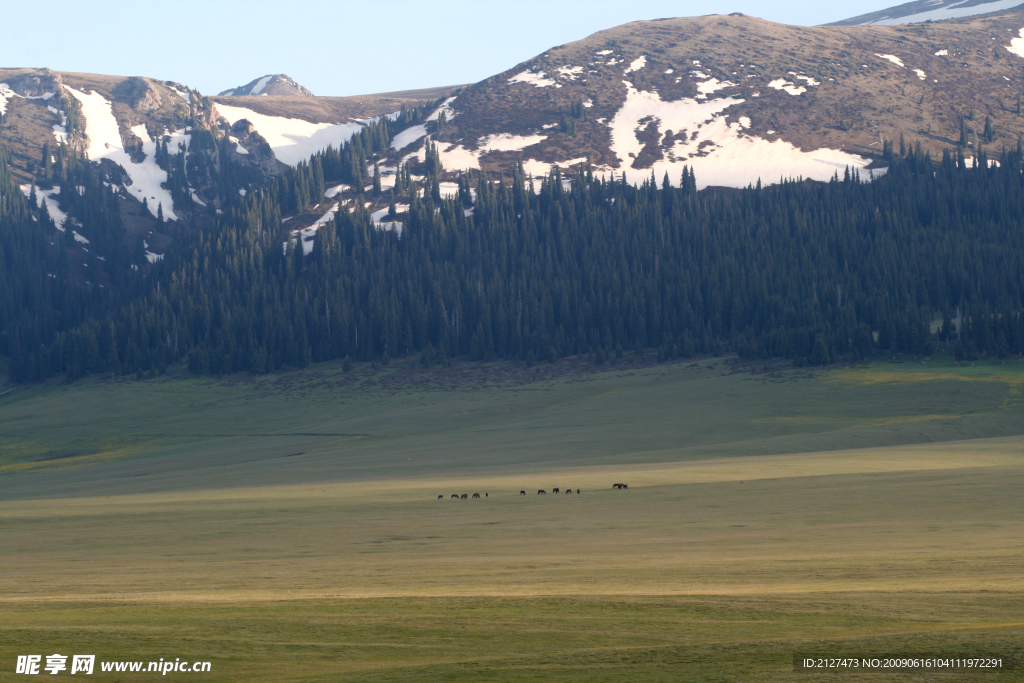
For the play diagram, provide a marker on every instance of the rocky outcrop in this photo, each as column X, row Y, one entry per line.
column 140, row 94
column 35, row 83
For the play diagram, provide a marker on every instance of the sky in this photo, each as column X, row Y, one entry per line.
column 340, row 47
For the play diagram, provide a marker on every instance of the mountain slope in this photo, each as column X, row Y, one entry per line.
column 928, row 10
column 739, row 98
column 273, row 85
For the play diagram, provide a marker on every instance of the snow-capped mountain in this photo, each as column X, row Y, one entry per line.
column 272, row 85
column 735, row 98
column 740, row 99
column 928, row 10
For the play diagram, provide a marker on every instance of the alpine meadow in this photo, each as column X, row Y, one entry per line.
column 690, row 351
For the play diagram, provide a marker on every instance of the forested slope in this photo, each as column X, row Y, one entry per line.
column 808, row 271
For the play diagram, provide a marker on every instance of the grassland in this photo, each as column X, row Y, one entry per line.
column 288, row 528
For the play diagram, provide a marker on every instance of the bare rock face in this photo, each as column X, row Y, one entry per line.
column 139, row 94
column 257, row 148
column 36, row 83
column 276, row 85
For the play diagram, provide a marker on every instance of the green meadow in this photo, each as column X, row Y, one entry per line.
column 288, row 528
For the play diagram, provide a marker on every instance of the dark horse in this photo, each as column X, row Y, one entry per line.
column 555, row 491
column 440, row 497
column 455, row 495
column 476, row 495
column 568, row 491
column 522, row 493
column 542, row 492
column 464, row 497
column 620, row 486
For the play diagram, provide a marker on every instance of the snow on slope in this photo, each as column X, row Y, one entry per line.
column 787, row 86
column 105, row 143
column 50, row 198
column 415, row 133
column 260, row 85
column 5, row 94
column 408, row 136
column 720, row 152
column 458, row 158
column 892, row 58
column 292, row 140
column 536, row 79
column 953, row 11
column 1016, row 45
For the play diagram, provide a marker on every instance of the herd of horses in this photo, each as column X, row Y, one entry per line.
column 540, row 492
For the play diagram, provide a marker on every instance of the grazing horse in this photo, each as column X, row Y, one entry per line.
column 476, row 495
column 542, row 492
column 522, row 493
column 455, row 496
column 568, row 491
column 620, row 486
column 464, row 496
column 577, row 492
column 441, row 497
column 555, row 491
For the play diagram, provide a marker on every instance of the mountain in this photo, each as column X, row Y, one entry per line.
column 150, row 222
column 741, row 99
column 928, row 10
column 272, row 85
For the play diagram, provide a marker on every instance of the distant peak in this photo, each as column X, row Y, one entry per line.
column 271, row 85
column 930, row 10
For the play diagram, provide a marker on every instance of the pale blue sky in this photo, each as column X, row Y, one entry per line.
column 342, row 47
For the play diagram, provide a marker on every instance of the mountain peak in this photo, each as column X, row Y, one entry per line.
column 273, row 85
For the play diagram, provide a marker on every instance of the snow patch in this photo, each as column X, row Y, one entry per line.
column 81, row 239
column 787, row 86
column 333, row 192
column 942, row 53
column 637, row 64
column 720, row 152
column 712, row 86
column 5, row 94
column 49, row 197
column 506, row 142
column 921, row 74
column 293, row 140
column 810, row 81
column 892, row 58
column 260, row 85
column 105, row 143
column 238, row 146
column 570, row 72
column 542, row 169
column 408, row 136
column 602, row 53
column 1016, row 45
column 536, row 79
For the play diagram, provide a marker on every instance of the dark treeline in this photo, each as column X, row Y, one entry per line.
column 39, row 300
column 810, row 271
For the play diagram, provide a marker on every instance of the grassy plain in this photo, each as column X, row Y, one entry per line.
column 288, row 528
